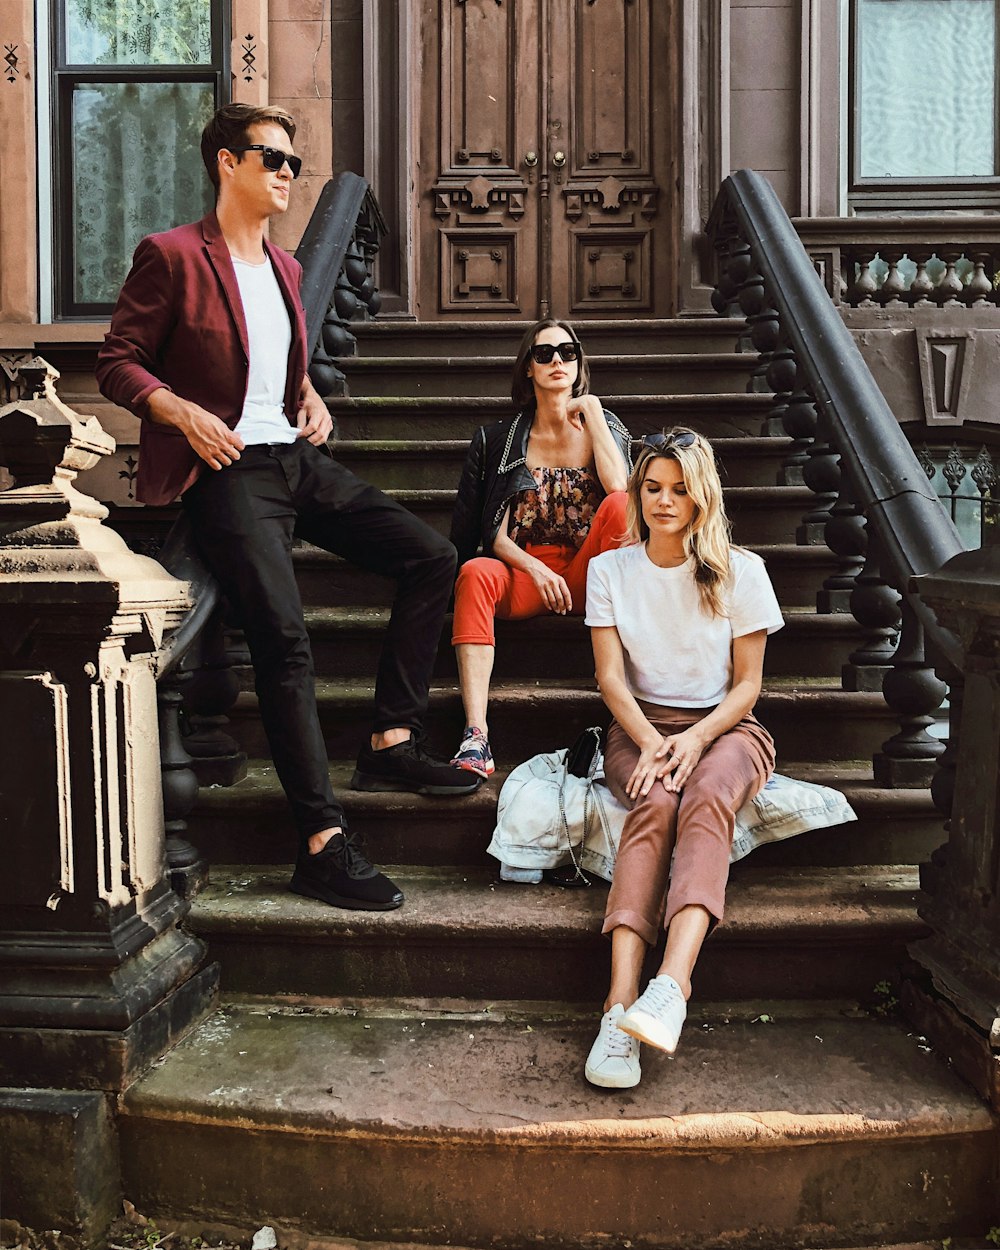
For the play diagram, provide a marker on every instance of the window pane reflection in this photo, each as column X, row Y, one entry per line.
column 926, row 88
column 137, row 168
column 138, row 32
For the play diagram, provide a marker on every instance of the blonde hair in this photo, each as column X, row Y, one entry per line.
column 708, row 539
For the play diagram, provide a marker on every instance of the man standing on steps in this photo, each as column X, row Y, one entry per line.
column 207, row 346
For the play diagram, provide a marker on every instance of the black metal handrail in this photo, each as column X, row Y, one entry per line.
column 324, row 245
column 886, row 481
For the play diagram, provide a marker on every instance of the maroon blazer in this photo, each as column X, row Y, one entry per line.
column 179, row 323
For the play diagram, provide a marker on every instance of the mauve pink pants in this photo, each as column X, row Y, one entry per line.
column 695, row 826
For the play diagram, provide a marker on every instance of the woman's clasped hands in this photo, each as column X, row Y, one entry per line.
column 670, row 760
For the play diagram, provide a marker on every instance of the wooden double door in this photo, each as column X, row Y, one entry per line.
column 547, row 141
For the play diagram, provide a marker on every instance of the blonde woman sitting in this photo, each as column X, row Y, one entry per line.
column 679, row 620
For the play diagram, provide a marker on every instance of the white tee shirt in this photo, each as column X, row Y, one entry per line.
column 269, row 330
column 676, row 654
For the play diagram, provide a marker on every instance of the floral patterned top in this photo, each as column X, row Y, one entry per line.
column 559, row 511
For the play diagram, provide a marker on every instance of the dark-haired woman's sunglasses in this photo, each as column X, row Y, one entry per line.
column 542, row 353
column 684, row 439
column 274, row 158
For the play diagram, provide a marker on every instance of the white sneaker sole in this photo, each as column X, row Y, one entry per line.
column 604, row 1081
column 646, row 1028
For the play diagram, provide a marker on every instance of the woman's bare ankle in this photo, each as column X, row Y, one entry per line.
column 683, row 981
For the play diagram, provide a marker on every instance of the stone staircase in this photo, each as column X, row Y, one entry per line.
column 418, row 1076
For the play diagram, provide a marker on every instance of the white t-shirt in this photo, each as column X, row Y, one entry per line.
column 676, row 654
column 269, row 331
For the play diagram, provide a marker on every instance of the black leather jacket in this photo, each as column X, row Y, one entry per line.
column 495, row 473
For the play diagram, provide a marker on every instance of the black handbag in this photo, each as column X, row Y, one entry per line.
column 581, row 758
column 581, row 761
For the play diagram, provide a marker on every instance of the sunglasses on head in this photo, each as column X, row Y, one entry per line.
column 274, row 158
column 542, row 353
column 684, row 439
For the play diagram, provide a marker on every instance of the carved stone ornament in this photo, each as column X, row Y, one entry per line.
column 50, row 529
column 610, row 196
column 480, row 198
column 946, row 365
column 249, row 58
column 84, row 900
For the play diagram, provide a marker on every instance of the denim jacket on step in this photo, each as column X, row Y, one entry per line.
column 496, row 472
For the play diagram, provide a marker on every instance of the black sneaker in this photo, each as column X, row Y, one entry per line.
column 340, row 875
column 407, row 766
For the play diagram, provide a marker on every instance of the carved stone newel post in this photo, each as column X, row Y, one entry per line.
column 955, row 994
column 96, row 976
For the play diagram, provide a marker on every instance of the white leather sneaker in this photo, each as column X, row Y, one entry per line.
column 657, row 1015
column 613, row 1062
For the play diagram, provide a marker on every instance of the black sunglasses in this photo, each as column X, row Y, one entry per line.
column 542, row 353
column 274, row 158
column 683, row 439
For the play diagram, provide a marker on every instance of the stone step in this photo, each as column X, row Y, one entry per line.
column 672, row 373
column 526, row 718
column 250, row 822
column 325, row 580
column 823, row 1126
column 348, row 641
column 459, row 416
column 760, row 514
column 387, row 337
column 437, row 463
column 415, row 1123
column 789, row 933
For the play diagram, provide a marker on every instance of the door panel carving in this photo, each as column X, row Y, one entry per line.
column 545, row 158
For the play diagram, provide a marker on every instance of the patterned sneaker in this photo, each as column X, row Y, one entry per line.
column 657, row 1016
column 613, row 1062
column 474, row 754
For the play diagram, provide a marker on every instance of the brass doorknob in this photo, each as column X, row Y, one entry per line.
column 559, row 159
column 531, row 159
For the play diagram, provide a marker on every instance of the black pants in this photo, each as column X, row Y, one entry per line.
column 244, row 518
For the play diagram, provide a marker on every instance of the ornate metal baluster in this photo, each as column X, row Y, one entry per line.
column 753, row 305
column 875, row 606
column 794, row 408
column 984, row 474
column 846, row 537
column 210, row 690
column 725, row 297
column 821, row 473
column 188, row 872
column 914, row 693
column 954, row 472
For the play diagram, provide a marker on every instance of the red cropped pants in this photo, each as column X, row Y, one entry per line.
column 695, row 827
column 487, row 588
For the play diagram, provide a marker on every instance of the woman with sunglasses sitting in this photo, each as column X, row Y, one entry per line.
column 679, row 619
column 542, row 492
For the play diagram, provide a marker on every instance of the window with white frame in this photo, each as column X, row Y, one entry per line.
column 924, row 104
column 134, row 82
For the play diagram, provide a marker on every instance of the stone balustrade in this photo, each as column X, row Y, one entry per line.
column 901, row 263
